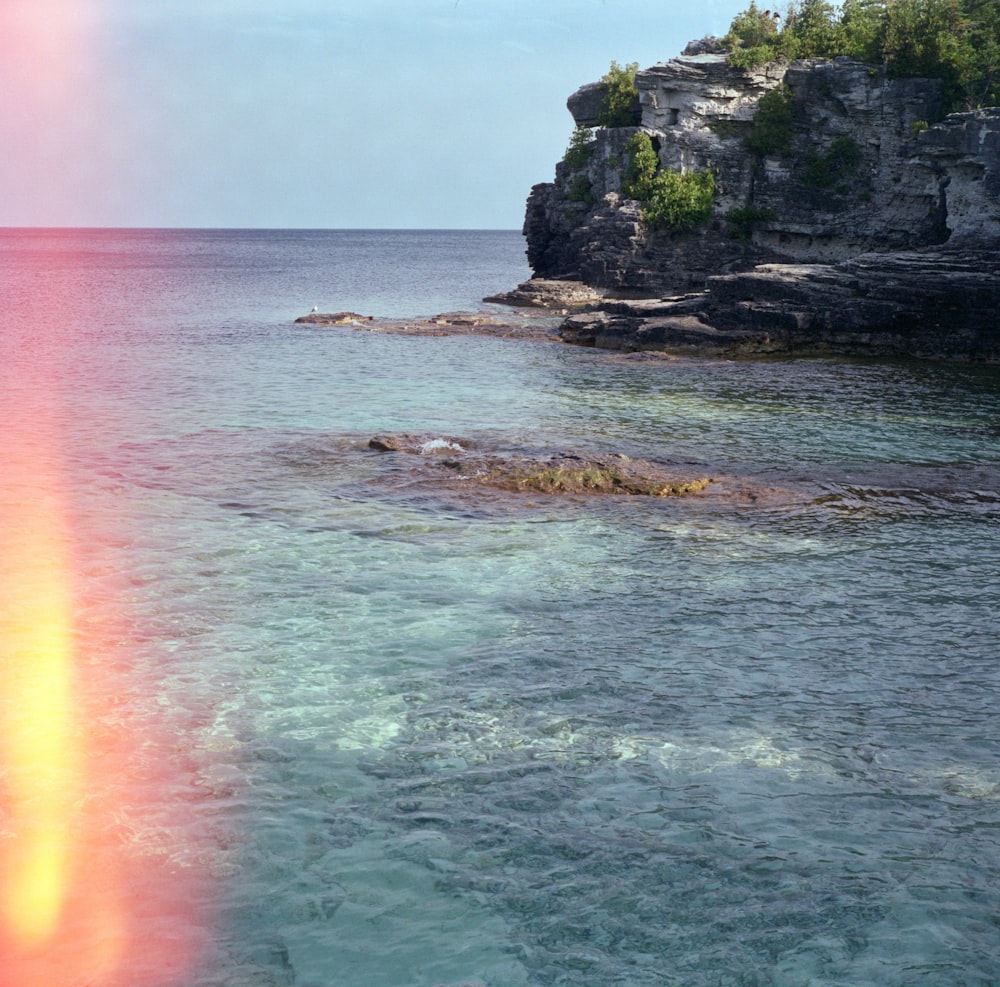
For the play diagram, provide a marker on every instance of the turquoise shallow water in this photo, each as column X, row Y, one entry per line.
column 426, row 736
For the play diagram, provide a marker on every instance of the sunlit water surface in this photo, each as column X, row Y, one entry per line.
column 421, row 739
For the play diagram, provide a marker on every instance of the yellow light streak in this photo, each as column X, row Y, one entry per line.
column 36, row 727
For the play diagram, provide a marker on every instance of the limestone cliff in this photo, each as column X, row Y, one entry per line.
column 858, row 172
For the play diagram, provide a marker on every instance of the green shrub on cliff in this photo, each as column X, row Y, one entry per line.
column 671, row 200
column 579, row 151
column 580, row 190
column 839, row 162
column 642, row 168
column 619, row 106
column 956, row 41
column 680, row 202
column 771, row 132
column 743, row 220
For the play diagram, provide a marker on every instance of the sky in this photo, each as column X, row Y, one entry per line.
column 318, row 114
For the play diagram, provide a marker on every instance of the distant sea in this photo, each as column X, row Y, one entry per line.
column 383, row 734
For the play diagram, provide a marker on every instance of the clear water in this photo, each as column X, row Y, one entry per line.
column 417, row 737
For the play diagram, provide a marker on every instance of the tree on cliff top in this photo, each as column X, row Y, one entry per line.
column 956, row 41
column 620, row 107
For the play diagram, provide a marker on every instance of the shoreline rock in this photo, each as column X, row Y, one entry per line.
column 924, row 304
column 539, row 326
column 552, row 294
column 334, row 318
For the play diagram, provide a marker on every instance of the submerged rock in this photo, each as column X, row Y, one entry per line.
column 552, row 473
column 571, row 474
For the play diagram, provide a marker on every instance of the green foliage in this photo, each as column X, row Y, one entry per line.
column 680, row 202
column 753, row 28
column 748, row 58
column 860, row 23
column 724, row 128
column 643, row 166
column 580, row 190
column 909, row 41
column 839, row 162
column 753, row 38
column 918, row 125
column 934, row 38
column 982, row 82
column 744, row 219
column 579, row 151
column 772, row 124
column 672, row 200
column 813, row 29
column 619, row 106
column 956, row 41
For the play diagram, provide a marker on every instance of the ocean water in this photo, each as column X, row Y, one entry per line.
column 385, row 733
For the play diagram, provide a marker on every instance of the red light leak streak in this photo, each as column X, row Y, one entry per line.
column 88, row 898
column 92, row 890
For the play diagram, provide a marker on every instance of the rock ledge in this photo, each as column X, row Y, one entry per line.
column 931, row 304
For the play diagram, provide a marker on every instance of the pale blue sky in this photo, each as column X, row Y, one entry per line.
column 311, row 113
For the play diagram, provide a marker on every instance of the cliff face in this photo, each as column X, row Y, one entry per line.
column 857, row 174
column 857, row 229
column 962, row 157
column 695, row 108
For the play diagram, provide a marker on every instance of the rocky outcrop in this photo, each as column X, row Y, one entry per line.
column 862, row 229
column 333, row 319
column 550, row 294
column 581, row 226
column 810, row 207
column 519, row 325
column 931, row 304
column 548, row 473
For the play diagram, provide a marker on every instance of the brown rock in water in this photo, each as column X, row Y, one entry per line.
column 469, row 320
column 562, row 473
column 417, row 445
column 575, row 475
column 333, row 318
column 390, row 443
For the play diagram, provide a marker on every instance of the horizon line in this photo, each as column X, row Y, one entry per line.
column 276, row 229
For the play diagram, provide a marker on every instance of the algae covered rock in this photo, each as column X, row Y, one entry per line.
column 560, row 473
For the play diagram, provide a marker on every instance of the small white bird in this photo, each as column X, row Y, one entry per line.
column 315, row 308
